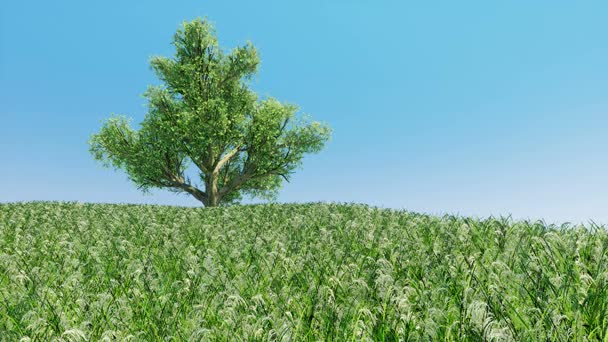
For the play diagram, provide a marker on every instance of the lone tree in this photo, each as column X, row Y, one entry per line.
column 206, row 115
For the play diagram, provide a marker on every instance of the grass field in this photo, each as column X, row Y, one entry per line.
column 294, row 272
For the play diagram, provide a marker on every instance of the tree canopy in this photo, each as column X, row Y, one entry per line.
column 206, row 116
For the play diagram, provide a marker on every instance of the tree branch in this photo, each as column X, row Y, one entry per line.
column 234, row 184
column 226, row 158
column 122, row 134
column 182, row 185
column 245, row 176
column 184, row 141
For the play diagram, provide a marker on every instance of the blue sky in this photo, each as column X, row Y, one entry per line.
column 466, row 107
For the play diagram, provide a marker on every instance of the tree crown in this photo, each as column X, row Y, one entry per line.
column 206, row 115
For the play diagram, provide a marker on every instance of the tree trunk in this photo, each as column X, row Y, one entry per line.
column 213, row 198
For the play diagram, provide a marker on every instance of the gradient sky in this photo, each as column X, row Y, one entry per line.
column 465, row 107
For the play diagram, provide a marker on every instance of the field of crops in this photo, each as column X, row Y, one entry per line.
column 294, row 272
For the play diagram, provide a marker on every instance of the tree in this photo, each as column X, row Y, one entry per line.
column 206, row 116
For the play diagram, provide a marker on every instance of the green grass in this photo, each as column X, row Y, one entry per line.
column 294, row 272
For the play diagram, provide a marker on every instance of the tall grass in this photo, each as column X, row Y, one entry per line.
column 73, row 271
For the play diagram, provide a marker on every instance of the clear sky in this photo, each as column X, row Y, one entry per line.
column 466, row 107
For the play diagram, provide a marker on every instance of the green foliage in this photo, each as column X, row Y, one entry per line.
column 205, row 115
column 295, row 272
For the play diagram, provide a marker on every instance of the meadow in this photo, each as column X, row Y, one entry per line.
column 313, row 272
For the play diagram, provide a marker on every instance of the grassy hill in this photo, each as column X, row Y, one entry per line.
column 294, row 272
